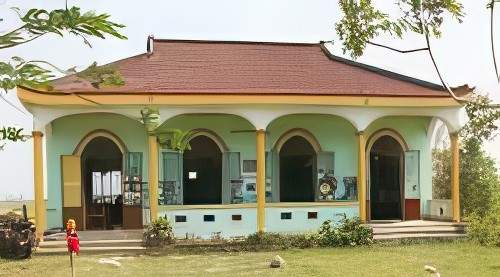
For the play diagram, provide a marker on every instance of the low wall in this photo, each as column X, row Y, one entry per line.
column 438, row 209
column 241, row 220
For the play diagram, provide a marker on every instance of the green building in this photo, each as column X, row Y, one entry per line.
column 282, row 136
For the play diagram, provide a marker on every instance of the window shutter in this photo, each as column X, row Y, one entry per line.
column 412, row 174
column 72, row 181
column 234, row 165
column 269, row 164
column 274, row 157
column 269, row 176
column 133, row 165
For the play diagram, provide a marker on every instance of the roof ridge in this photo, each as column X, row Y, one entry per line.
column 291, row 43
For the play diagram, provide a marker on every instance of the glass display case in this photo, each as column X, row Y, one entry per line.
column 245, row 190
column 168, row 193
column 132, row 190
column 133, row 186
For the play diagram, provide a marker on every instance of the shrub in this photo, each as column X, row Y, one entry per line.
column 158, row 234
column 275, row 241
column 486, row 229
column 350, row 232
column 10, row 216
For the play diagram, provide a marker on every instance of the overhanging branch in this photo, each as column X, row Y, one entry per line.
column 397, row 50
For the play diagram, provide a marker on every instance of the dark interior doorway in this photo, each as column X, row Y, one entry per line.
column 202, row 166
column 386, row 158
column 102, row 166
column 297, row 164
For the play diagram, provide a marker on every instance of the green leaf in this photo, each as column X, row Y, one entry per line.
column 38, row 22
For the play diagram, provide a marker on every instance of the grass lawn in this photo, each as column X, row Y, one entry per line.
column 451, row 258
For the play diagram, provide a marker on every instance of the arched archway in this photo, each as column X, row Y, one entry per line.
column 202, row 167
column 385, row 154
column 101, row 162
column 297, row 164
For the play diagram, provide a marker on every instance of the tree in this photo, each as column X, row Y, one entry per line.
column 479, row 179
column 491, row 7
column 36, row 23
column 362, row 22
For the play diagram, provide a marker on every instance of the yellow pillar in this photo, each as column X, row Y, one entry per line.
column 455, row 175
column 153, row 176
column 40, row 216
column 261, row 180
column 362, row 176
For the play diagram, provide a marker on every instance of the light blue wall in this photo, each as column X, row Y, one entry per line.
column 224, row 224
column 333, row 133
column 67, row 132
column 224, row 125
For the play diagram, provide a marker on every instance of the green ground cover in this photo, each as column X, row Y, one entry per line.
column 459, row 258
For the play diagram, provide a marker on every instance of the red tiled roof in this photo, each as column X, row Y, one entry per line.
column 216, row 67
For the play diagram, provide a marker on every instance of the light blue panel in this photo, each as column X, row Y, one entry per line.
column 248, row 225
column 300, row 223
column 223, row 222
column 412, row 175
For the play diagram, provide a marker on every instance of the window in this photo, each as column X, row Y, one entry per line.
column 312, row 215
column 236, row 217
column 106, row 186
column 249, row 166
column 287, row 215
column 180, row 218
column 209, row 217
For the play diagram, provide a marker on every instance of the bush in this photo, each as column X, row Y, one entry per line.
column 350, row 232
column 275, row 241
column 9, row 216
column 158, row 233
column 486, row 229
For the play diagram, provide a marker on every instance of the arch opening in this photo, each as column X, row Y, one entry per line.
column 101, row 161
column 296, row 170
column 386, row 178
column 202, row 170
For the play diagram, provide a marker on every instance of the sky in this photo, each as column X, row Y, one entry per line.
column 463, row 52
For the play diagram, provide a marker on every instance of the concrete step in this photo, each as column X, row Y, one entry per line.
column 414, row 223
column 420, row 229
column 85, row 249
column 94, row 243
column 418, row 236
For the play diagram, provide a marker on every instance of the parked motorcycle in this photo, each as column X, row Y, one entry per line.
column 17, row 237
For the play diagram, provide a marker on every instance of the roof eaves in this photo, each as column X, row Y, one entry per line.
column 386, row 73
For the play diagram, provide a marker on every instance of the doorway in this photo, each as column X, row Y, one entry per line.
column 101, row 173
column 296, row 166
column 386, row 179
column 202, row 167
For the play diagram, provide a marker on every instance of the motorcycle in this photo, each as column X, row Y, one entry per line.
column 17, row 237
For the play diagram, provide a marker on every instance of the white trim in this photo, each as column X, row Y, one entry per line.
column 211, row 136
column 404, row 148
column 83, row 143
column 260, row 116
column 297, row 132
